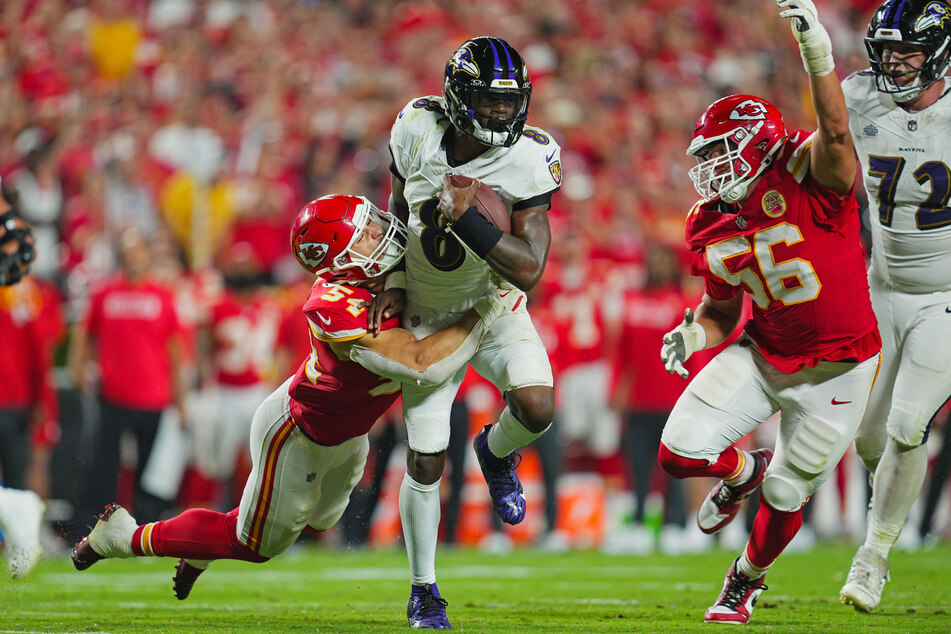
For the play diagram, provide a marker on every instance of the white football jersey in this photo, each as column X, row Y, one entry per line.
column 905, row 158
column 442, row 273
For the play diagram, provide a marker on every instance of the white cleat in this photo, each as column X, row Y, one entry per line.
column 737, row 599
column 867, row 577
column 21, row 518
column 110, row 537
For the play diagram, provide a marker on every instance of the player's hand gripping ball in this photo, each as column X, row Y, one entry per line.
column 487, row 202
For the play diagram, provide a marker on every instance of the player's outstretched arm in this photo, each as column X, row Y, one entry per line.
column 832, row 159
column 397, row 354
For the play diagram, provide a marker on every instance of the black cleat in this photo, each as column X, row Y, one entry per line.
column 185, row 577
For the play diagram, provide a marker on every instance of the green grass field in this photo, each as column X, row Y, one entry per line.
column 312, row 589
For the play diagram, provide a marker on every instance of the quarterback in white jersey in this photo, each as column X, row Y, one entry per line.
column 453, row 254
column 441, row 273
column 900, row 119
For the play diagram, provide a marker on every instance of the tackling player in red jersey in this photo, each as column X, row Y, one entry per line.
column 309, row 438
column 779, row 221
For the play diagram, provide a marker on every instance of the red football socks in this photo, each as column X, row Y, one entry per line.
column 680, row 467
column 772, row 532
column 195, row 534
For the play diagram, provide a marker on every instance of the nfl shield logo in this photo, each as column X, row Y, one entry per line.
column 912, row 125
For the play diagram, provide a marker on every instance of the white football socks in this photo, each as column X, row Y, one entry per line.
column 744, row 469
column 747, row 569
column 509, row 435
column 897, row 481
column 419, row 513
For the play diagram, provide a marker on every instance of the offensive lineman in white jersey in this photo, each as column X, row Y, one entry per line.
column 453, row 255
column 900, row 119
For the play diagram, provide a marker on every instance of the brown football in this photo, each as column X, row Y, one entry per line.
column 487, row 202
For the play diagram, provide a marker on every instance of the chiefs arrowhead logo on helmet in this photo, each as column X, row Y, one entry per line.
column 749, row 132
column 749, row 110
column 312, row 253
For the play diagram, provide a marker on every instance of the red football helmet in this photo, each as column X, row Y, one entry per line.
column 753, row 133
column 326, row 229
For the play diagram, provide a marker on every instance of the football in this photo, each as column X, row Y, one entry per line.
column 487, row 202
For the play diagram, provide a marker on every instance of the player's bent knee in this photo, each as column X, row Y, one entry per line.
column 271, row 546
column 906, row 425
column 870, row 448
column 425, row 468
column 680, row 466
column 687, row 437
column 813, row 446
column 533, row 406
column 784, row 493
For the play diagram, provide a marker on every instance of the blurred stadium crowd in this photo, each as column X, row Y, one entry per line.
column 202, row 126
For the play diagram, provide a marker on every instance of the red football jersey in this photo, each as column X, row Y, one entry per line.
column 648, row 315
column 578, row 325
column 133, row 323
column 333, row 400
column 243, row 332
column 793, row 245
column 31, row 324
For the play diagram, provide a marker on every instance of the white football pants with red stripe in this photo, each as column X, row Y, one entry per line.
column 294, row 482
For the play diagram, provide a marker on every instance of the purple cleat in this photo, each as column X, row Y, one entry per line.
column 426, row 609
column 499, row 473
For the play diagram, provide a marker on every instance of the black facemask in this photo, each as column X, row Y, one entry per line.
column 11, row 264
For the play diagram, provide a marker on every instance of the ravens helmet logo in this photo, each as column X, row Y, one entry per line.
column 462, row 61
column 934, row 15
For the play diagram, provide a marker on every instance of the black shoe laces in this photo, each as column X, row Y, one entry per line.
column 726, row 495
column 729, row 494
column 432, row 605
column 502, row 473
column 738, row 590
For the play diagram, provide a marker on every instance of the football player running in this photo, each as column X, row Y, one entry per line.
column 309, row 437
column 21, row 511
column 900, row 118
column 453, row 254
column 779, row 220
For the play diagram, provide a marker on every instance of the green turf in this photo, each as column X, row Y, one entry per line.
column 311, row 589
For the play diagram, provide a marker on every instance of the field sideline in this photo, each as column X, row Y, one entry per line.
column 313, row 589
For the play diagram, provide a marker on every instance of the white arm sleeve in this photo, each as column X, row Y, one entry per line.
column 435, row 374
